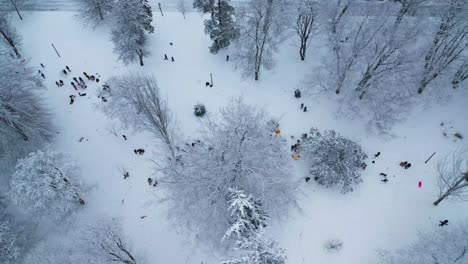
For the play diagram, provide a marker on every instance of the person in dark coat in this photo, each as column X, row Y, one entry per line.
column 42, row 65
column 61, row 83
column 297, row 93
column 150, row 181
column 443, row 223
column 72, row 99
column 376, row 155
column 165, row 57
column 68, row 69
column 65, row 72
column 407, row 166
column 57, row 83
column 172, row 59
column 305, row 109
column 227, row 57
column 302, row 105
column 125, row 137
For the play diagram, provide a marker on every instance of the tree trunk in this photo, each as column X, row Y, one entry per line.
column 140, row 56
column 441, row 198
column 16, row 8
column 11, row 43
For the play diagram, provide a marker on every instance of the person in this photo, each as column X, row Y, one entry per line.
column 385, row 180
column 227, row 57
column 297, row 93
column 74, row 86
column 155, row 183
column 443, row 223
column 376, row 155
column 407, row 166
column 302, row 105
column 57, row 83
column 68, row 69
column 125, row 137
column 81, row 80
column 150, row 181
column 72, row 99
column 76, row 80
column 305, row 109
column 81, row 94
column 207, row 84
column 172, row 58
column 65, row 72
column 61, row 83
column 42, row 65
column 86, row 75
column 165, row 57
column 383, row 174
column 307, row 179
column 170, row 43
column 126, row 175
column 97, row 80
column 403, row 164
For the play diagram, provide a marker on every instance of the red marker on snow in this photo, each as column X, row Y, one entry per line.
column 420, row 184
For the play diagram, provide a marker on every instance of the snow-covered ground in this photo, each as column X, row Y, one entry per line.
column 374, row 216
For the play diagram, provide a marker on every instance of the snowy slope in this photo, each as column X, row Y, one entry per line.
column 376, row 215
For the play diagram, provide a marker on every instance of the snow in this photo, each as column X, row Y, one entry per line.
column 374, row 216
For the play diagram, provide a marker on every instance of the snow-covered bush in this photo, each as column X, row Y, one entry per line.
column 238, row 150
column 445, row 245
column 199, row 110
column 25, row 124
column 46, row 184
column 334, row 160
column 333, row 245
column 273, row 124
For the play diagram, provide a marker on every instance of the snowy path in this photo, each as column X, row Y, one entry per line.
column 375, row 216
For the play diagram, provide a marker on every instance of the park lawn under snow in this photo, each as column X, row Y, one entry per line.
column 375, row 216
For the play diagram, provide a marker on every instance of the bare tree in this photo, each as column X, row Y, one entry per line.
column 25, row 123
column 453, row 176
column 95, row 12
column 262, row 24
column 305, row 24
column 9, row 34
column 386, row 54
column 149, row 109
column 108, row 238
column 181, row 7
column 461, row 75
column 448, row 45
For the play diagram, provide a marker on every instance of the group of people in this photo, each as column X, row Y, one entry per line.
column 78, row 82
column 165, row 55
column 297, row 94
column 139, row 151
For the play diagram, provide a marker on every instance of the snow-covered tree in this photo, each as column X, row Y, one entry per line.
column 137, row 101
column 448, row 245
column 221, row 27
column 46, row 184
column 238, row 150
column 205, row 6
column 262, row 25
column 132, row 18
column 258, row 250
column 181, row 7
column 448, row 45
column 110, row 243
column 247, row 215
column 305, row 23
column 25, row 124
column 453, row 176
column 9, row 35
column 9, row 251
column 334, row 160
column 461, row 75
column 95, row 12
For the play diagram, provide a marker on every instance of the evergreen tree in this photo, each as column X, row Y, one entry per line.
column 221, row 28
column 132, row 19
column 205, row 6
column 247, row 214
